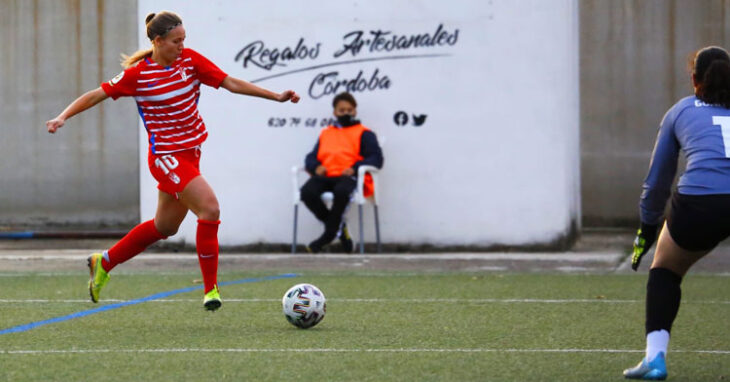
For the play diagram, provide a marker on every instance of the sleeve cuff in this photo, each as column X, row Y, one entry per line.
column 108, row 90
column 219, row 80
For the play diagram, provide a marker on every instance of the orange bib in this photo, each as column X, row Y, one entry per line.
column 339, row 149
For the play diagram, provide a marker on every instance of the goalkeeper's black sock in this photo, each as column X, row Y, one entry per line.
column 663, row 294
column 662, row 299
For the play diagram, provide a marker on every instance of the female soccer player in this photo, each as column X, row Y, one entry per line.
column 165, row 82
column 699, row 219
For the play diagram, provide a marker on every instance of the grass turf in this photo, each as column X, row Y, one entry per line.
column 378, row 327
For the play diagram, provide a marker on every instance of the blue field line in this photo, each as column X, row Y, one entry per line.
column 156, row 296
column 17, row 235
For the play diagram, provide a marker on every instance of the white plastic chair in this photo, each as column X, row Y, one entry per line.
column 327, row 197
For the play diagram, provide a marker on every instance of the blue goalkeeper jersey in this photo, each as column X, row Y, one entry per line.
column 702, row 132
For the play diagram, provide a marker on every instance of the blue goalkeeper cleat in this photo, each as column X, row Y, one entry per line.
column 656, row 370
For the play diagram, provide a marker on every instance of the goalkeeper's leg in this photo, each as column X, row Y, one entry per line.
column 663, row 294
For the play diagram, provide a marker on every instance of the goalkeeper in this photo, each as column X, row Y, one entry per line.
column 698, row 125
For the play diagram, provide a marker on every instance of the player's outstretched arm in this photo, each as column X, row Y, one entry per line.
column 87, row 100
column 235, row 85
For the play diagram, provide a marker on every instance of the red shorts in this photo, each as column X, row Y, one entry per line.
column 175, row 170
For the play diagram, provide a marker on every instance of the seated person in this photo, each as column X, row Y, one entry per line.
column 333, row 164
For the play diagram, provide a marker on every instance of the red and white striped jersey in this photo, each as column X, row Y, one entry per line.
column 167, row 98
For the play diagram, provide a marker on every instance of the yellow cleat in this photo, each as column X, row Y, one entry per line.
column 97, row 276
column 212, row 299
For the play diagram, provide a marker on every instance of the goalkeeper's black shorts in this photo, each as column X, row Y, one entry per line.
column 699, row 222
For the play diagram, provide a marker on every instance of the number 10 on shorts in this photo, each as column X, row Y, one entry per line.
column 166, row 163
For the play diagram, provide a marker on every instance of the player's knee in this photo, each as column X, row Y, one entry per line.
column 210, row 211
column 307, row 194
column 342, row 192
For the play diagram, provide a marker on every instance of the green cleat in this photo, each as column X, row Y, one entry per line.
column 97, row 276
column 212, row 300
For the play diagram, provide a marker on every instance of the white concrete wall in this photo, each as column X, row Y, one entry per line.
column 86, row 174
column 496, row 161
column 634, row 57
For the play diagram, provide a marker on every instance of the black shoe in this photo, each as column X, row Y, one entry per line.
column 314, row 247
column 346, row 240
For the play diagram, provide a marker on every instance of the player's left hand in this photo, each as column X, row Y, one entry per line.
column 348, row 172
column 645, row 238
column 287, row 96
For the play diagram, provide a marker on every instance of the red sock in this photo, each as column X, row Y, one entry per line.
column 206, row 242
column 139, row 238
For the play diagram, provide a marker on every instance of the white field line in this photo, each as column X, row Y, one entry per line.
column 132, row 273
column 577, row 269
column 85, row 273
column 512, row 256
column 335, row 350
column 196, row 274
column 374, row 300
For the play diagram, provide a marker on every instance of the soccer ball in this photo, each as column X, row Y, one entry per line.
column 304, row 305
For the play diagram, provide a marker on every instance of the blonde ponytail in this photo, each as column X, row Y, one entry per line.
column 158, row 24
column 136, row 57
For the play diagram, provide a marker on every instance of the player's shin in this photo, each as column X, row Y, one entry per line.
column 206, row 240
column 663, row 294
column 132, row 244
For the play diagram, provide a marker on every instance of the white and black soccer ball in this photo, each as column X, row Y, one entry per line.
column 304, row 305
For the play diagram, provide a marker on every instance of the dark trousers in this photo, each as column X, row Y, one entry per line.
column 342, row 188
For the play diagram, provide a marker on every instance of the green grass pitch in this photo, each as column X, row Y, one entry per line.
column 379, row 326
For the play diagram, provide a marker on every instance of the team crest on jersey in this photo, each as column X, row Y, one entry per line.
column 183, row 74
column 116, row 78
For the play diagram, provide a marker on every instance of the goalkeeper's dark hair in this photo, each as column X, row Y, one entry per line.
column 711, row 71
column 344, row 96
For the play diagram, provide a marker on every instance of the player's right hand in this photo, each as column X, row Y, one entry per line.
column 54, row 124
column 320, row 170
column 645, row 238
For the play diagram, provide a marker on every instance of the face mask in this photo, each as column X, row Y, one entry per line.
column 347, row 120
